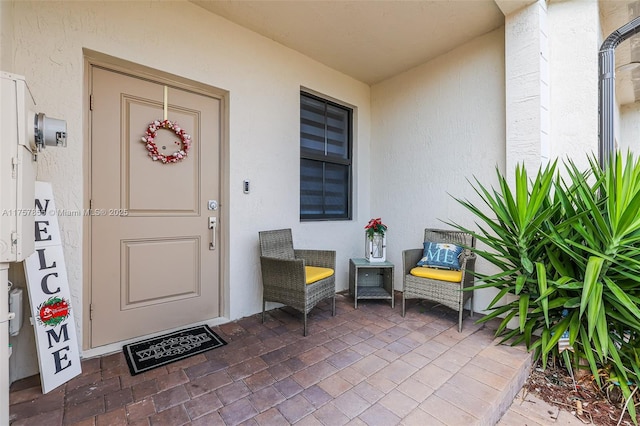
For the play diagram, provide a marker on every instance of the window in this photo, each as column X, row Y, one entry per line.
column 325, row 159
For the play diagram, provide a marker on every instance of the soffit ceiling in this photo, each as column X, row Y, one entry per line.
column 368, row 40
column 373, row 40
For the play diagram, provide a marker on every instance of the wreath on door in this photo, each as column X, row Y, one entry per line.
column 183, row 145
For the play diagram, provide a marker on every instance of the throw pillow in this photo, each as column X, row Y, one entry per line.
column 440, row 255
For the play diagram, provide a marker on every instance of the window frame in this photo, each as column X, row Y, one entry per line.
column 331, row 160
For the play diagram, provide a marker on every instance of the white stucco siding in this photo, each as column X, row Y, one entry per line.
column 436, row 126
column 6, row 35
column 263, row 79
column 629, row 136
column 527, row 88
column 574, row 41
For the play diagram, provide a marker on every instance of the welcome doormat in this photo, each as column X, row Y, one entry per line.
column 162, row 350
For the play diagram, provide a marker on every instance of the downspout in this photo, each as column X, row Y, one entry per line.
column 606, row 88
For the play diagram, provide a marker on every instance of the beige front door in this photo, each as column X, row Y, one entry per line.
column 154, row 258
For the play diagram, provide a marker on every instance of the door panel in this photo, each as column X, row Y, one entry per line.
column 162, row 196
column 151, row 267
column 143, row 285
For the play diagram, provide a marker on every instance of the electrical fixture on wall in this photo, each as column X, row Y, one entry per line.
column 49, row 131
column 23, row 133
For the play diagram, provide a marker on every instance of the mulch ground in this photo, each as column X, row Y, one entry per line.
column 581, row 397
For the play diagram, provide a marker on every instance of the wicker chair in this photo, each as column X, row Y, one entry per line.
column 286, row 276
column 449, row 294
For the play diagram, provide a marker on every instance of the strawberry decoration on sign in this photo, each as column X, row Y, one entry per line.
column 53, row 311
column 183, row 145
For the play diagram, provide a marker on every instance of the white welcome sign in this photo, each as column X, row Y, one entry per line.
column 49, row 296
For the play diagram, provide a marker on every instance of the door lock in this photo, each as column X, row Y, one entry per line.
column 212, row 205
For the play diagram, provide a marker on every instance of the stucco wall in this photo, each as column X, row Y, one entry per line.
column 263, row 79
column 6, row 36
column 574, row 36
column 629, row 136
column 434, row 127
column 527, row 88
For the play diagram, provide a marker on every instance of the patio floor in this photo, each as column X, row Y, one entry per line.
column 363, row 366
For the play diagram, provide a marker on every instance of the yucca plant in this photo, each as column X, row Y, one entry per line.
column 570, row 249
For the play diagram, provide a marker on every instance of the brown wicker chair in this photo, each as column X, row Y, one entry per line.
column 284, row 277
column 449, row 294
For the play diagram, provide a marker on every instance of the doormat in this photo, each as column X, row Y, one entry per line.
column 162, row 350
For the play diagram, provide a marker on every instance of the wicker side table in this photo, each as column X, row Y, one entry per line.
column 370, row 280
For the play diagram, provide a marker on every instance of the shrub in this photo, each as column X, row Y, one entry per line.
column 569, row 247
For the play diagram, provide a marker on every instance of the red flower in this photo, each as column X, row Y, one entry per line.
column 375, row 226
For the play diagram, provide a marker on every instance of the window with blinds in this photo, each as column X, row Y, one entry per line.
column 325, row 159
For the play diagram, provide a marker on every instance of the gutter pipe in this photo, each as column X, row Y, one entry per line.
column 606, row 88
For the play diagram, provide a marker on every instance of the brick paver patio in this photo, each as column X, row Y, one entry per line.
column 366, row 366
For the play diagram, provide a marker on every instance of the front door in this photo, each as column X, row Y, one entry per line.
column 154, row 257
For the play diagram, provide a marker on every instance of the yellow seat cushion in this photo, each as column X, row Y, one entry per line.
column 315, row 273
column 437, row 274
